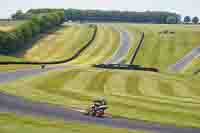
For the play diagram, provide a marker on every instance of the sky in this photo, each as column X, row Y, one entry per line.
column 183, row 7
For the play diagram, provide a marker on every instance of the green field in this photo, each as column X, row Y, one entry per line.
column 65, row 42
column 103, row 47
column 61, row 44
column 140, row 95
column 10, row 123
column 162, row 49
column 159, row 50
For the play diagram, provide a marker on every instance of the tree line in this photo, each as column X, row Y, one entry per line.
column 17, row 39
column 101, row 15
column 188, row 19
column 123, row 16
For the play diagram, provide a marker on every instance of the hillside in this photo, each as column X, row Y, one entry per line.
column 64, row 42
column 165, row 44
column 138, row 95
column 61, row 44
column 156, row 97
column 102, row 48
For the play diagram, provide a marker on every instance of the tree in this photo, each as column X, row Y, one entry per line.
column 26, row 31
column 15, row 40
column 171, row 20
column 3, row 41
column 20, row 36
column 195, row 20
column 18, row 15
column 116, row 15
column 187, row 19
column 35, row 28
column 11, row 45
column 19, row 12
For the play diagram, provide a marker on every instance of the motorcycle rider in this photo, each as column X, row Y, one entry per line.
column 99, row 104
column 42, row 66
column 97, row 108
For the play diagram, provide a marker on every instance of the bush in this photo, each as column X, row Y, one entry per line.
column 15, row 40
column 187, row 19
column 171, row 20
column 195, row 20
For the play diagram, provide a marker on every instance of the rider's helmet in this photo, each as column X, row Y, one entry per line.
column 100, row 100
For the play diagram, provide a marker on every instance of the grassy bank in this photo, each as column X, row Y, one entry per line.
column 165, row 44
column 61, row 44
column 103, row 47
column 140, row 95
column 10, row 123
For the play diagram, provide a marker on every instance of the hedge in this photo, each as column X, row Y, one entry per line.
column 15, row 40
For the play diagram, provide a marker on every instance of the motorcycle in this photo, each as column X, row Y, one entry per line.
column 96, row 111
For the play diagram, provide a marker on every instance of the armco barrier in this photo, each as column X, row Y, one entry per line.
column 126, row 67
column 138, row 48
column 56, row 62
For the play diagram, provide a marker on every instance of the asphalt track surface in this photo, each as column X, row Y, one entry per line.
column 14, row 75
column 10, row 76
column 180, row 64
column 117, row 58
column 21, row 106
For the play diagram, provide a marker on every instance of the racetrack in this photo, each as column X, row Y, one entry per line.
column 180, row 64
column 122, row 50
column 21, row 106
column 9, row 103
column 10, row 76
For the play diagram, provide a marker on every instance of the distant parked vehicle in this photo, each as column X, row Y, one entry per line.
column 167, row 32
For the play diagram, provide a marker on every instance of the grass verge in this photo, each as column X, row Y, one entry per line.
column 11, row 123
